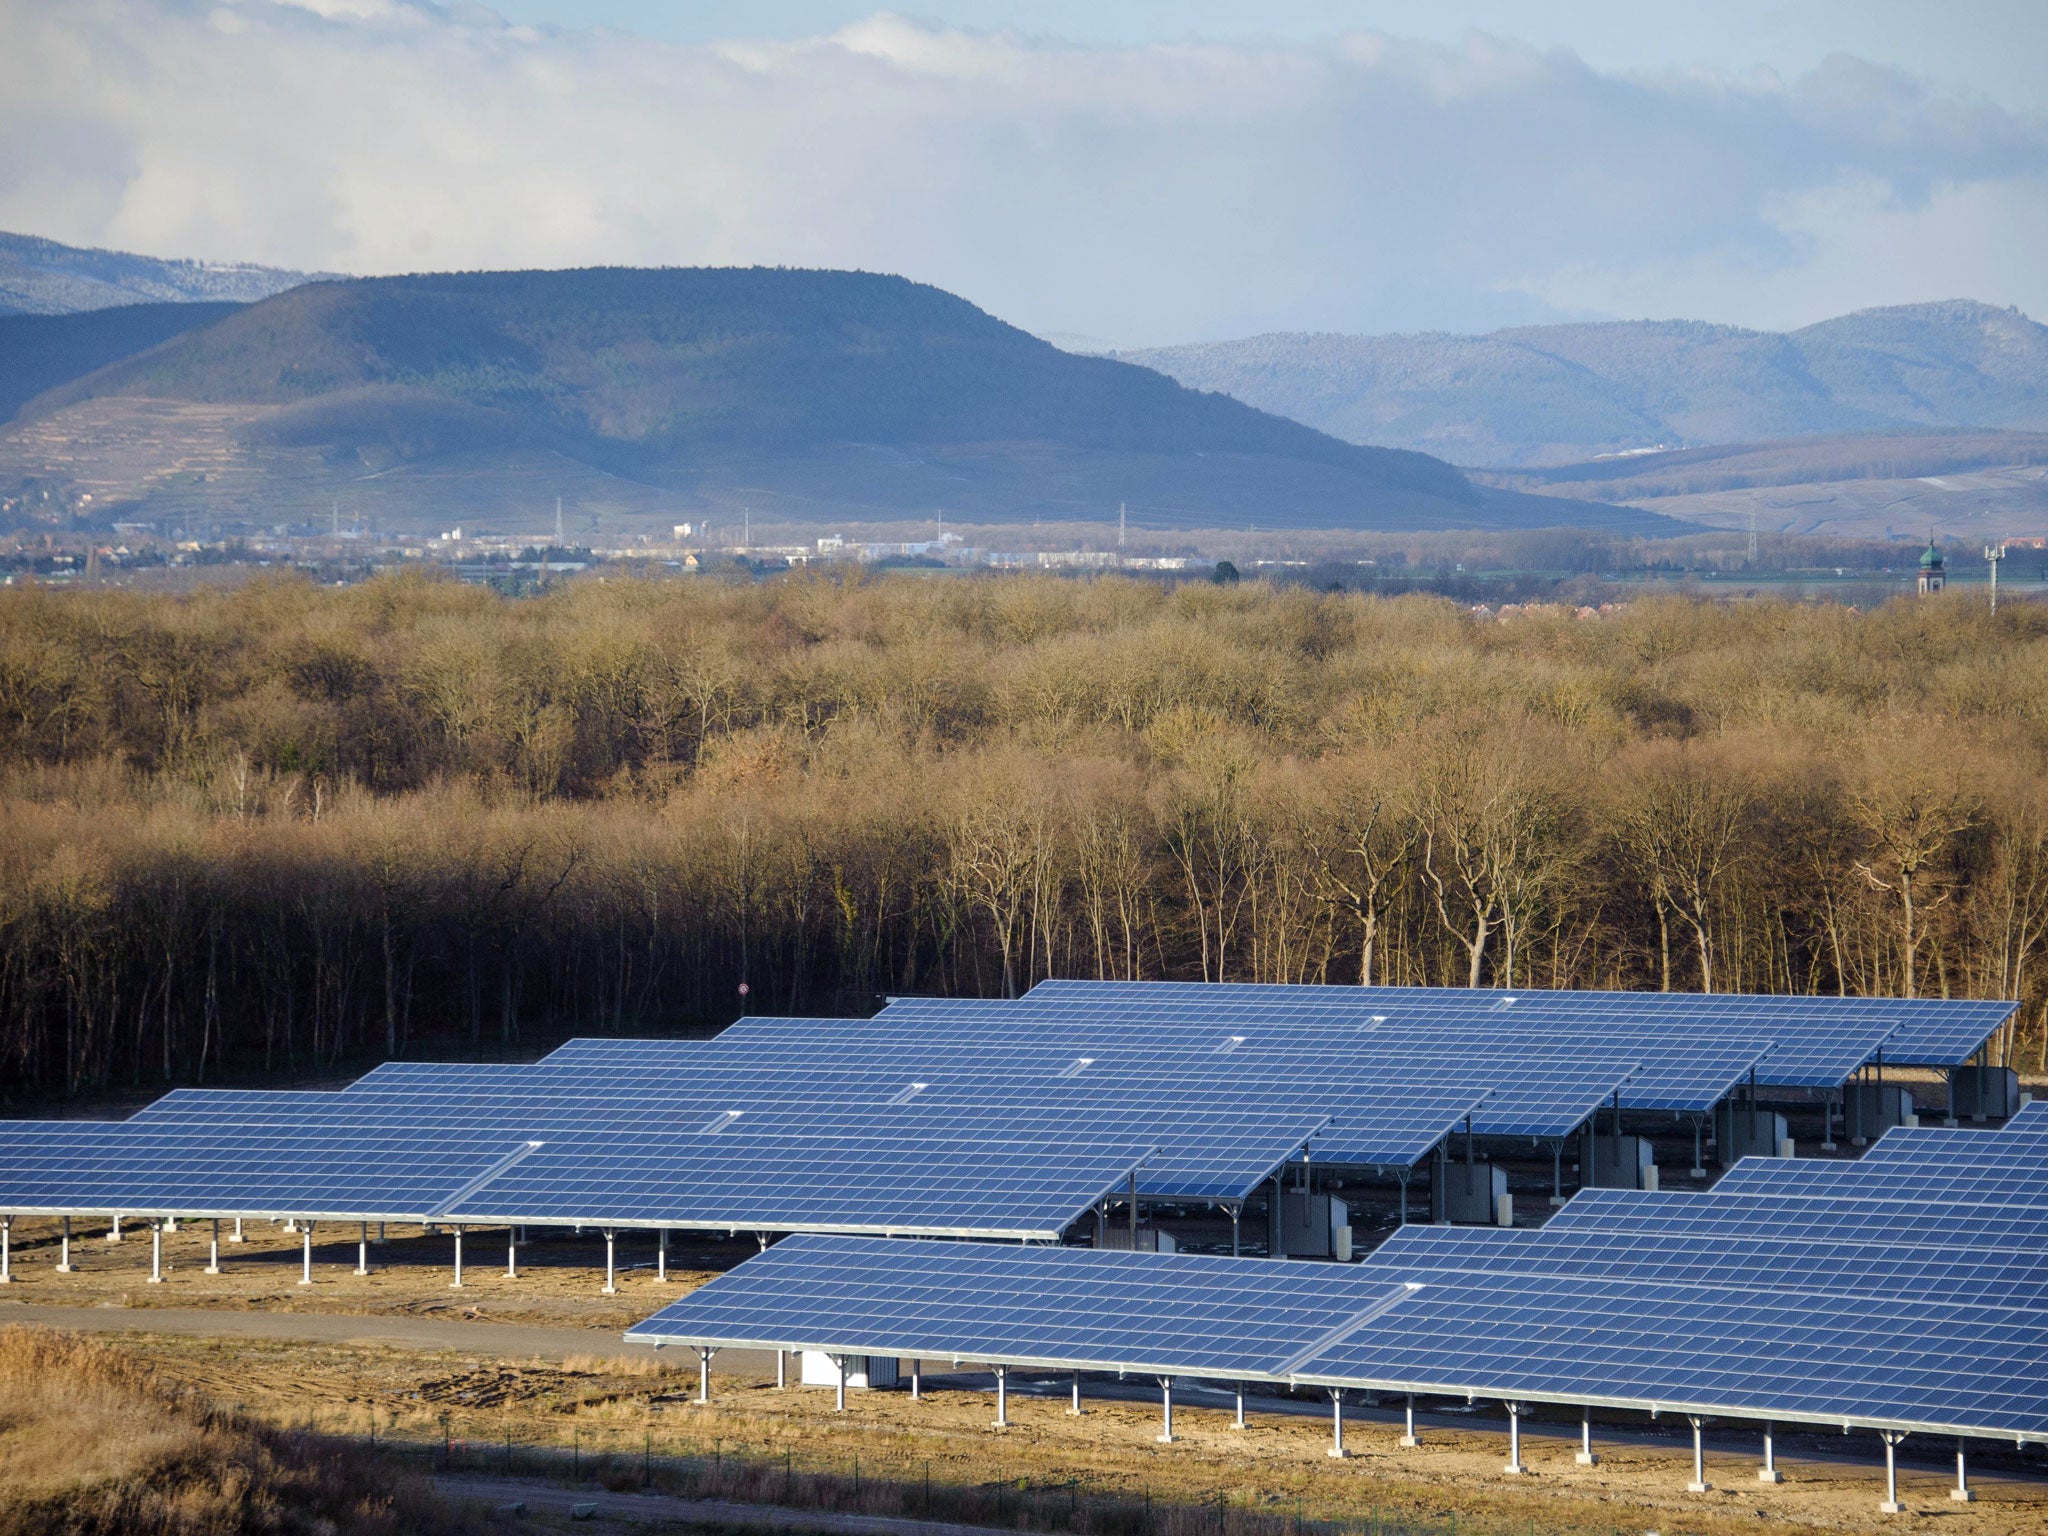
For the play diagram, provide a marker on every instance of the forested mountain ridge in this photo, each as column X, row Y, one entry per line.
column 40, row 352
column 44, row 277
column 1538, row 395
column 797, row 391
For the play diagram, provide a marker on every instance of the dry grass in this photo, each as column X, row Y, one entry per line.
column 1103, row 1475
column 93, row 1440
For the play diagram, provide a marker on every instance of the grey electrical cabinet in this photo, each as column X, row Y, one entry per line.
column 1983, row 1093
column 1608, row 1161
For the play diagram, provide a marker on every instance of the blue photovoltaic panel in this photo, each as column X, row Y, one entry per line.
column 1072, row 1308
column 1874, row 1222
column 1688, row 1066
column 1207, row 1146
column 807, row 1183
column 1843, row 1267
column 1532, row 1086
column 1959, row 1184
column 392, row 1173
column 2016, row 1146
column 1820, row 1050
column 1905, row 1363
column 1384, row 1121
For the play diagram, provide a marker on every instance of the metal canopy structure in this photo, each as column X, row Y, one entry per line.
column 1904, row 1315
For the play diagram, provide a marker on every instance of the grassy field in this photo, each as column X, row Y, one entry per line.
column 623, row 1424
column 92, row 1440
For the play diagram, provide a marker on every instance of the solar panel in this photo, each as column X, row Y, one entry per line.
column 1904, row 1363
column 1840, row 1267
column 1533, row 1086
column 1876, row 1222
column 860, row 1183
column 1070, row 1308
column 394, row 1173
column 1696, row 1060
column 2015, row 1147
column 1958, row 1184
column 1211, row 1145
column 1821, row 1051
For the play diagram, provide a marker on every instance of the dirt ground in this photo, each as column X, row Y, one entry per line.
column 489, row 1411
column 560, row 1280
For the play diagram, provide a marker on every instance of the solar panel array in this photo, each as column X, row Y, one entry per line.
column 961, row 1117
column 1858, row 1305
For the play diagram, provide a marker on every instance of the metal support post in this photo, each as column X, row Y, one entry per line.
column 363, row 1249
column 1165, row 1436
column 1557, row 1171
column 1962, row 1492
column 456, row 1283
column 1586, row 1458
column 917, row 1381
column 1827, row 1121
column 380, row 1239
column 1002, row 1397
column 1238, row 1422
column 1337, row 1451
column 1134, row 1210
column 781, row 1369
column 1408, row 1431
column 1236, row 1218
column 64, row 1253
column 236, row 1235
column 1699, row 1483
column 6, row 1250
column 213, row 1249
column 610, row 1283
column 156, row 1251
column 1891, row 1504
column 1768, row 1472
column 114, row 1232
column 704, row 1374
column 1514, row 1468
column 840, row 1405
column 1699, row 1167
column 511, row 1253
column 1401, row 1178
column 1074, row 1406
column 306, row 1258
column 661, row 1258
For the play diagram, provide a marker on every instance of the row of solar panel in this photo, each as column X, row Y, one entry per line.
column 844, row 1182
column 1903, row 1308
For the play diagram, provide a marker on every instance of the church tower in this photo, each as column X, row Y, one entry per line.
column 1933, row 570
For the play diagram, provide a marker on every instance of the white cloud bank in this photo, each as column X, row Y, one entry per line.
column 1151, row 193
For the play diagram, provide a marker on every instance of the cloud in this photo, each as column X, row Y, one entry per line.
column 1156, row 192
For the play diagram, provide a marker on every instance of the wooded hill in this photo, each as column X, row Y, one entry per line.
column 277, row 828
column 1543, row 395
column 45, row 277
column 801, row 393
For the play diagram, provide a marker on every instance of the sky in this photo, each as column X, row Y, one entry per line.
column 1142, row 172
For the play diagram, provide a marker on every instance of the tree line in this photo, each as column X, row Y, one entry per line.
column 281, row 827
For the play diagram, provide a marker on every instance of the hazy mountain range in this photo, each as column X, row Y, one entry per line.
column 42, row 277
column 1557, row 394
column 653, row 393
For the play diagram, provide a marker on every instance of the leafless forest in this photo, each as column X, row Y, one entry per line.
column 280, row 827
